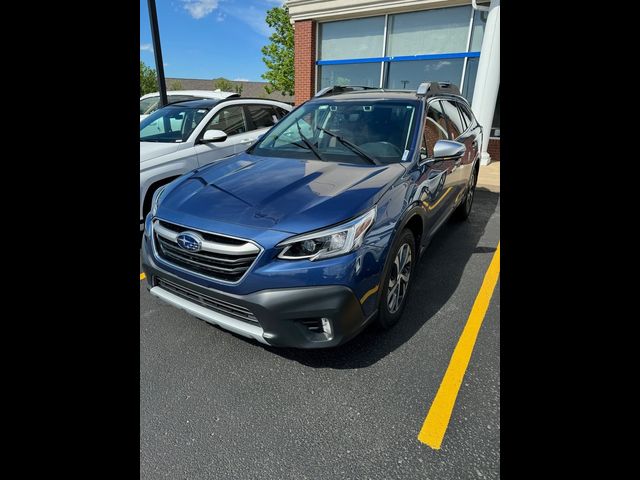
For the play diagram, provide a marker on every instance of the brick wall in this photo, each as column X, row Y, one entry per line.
column 304, row 60
column 494, row 149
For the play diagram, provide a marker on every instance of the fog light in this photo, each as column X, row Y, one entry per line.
column 326, row 327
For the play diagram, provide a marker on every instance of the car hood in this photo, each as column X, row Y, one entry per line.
column 149, row 150
column 285, row 194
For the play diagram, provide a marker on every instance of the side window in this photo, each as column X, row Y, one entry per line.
column 466, row 115
column 263, row 116
column 230, row 120
column 281, row 112
column 454, row 120
column 465, row 125
column 435, row 128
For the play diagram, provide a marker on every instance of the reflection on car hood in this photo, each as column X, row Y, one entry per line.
column 285, row 194
column 149, row 150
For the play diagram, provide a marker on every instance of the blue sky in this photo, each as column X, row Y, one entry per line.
column 208, row 38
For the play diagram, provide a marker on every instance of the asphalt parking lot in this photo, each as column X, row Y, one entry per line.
column 216, row 405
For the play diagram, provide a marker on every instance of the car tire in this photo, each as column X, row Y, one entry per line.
column 464, row 209
column 395, row 287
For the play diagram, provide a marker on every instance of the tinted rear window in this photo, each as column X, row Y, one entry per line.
column 263, row 116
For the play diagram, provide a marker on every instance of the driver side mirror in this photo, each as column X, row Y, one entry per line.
column 448, row 150
column 213, row 136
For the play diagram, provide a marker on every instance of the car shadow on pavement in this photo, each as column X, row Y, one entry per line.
column 436, row 279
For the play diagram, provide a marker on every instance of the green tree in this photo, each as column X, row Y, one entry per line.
column 278, row 55
column 223, row 84
column 176, row 85
column 148, row 79
column 238, row 87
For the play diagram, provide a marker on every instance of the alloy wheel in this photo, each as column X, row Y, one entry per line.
column 399, row 279
column 470, row 192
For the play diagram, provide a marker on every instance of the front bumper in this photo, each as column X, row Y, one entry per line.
column 283, row 315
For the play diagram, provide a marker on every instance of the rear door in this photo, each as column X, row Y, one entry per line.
column 435, row 184
column 231, row 120
column 458, row 131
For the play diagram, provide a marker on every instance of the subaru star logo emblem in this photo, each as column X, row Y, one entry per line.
column 189, row 241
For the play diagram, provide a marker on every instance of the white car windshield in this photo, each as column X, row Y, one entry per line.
column 148, row 105
column 171, row 124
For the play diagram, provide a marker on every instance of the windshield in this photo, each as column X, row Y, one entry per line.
column 356, row 131
column 171, row 124
column 147, row 105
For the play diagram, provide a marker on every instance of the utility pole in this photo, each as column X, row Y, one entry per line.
column 157, row 52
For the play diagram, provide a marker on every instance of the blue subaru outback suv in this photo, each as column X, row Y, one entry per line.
column 316, row 230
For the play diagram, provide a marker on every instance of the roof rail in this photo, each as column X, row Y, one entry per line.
column 431, row 88
column 334, row 89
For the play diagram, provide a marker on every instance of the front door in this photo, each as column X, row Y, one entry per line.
column 436, row 183
column 230, row 120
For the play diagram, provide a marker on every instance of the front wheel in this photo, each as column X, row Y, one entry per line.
column 397, row 280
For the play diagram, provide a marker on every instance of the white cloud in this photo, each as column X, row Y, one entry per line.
column 199, row 8
column 146, row 47
column 444, row 63
column 253, row 17
column 277, row 2
column 240, row 79
column 221, row 16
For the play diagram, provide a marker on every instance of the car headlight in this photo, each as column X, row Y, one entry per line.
column 154, row 200
column 330, row 242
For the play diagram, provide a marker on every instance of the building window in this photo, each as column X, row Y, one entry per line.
column 409, row 75
column 428, row 45
column 360, row 38
column 366, row 74
column 477, row 32
column 432, row 31
column 495, row 125
column 470, row 78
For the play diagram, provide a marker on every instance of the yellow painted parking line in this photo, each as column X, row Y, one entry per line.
column 142, row 276
column 435, row 425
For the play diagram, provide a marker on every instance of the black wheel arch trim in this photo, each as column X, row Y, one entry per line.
column 415, row 210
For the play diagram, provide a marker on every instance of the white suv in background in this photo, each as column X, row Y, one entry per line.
column 149, row 102
column 188, row 134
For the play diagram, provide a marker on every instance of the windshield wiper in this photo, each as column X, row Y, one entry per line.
column 351, row 146
column 306, row 142
column 300, row 145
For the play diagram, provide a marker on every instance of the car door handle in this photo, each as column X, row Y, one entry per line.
column 475, row 144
